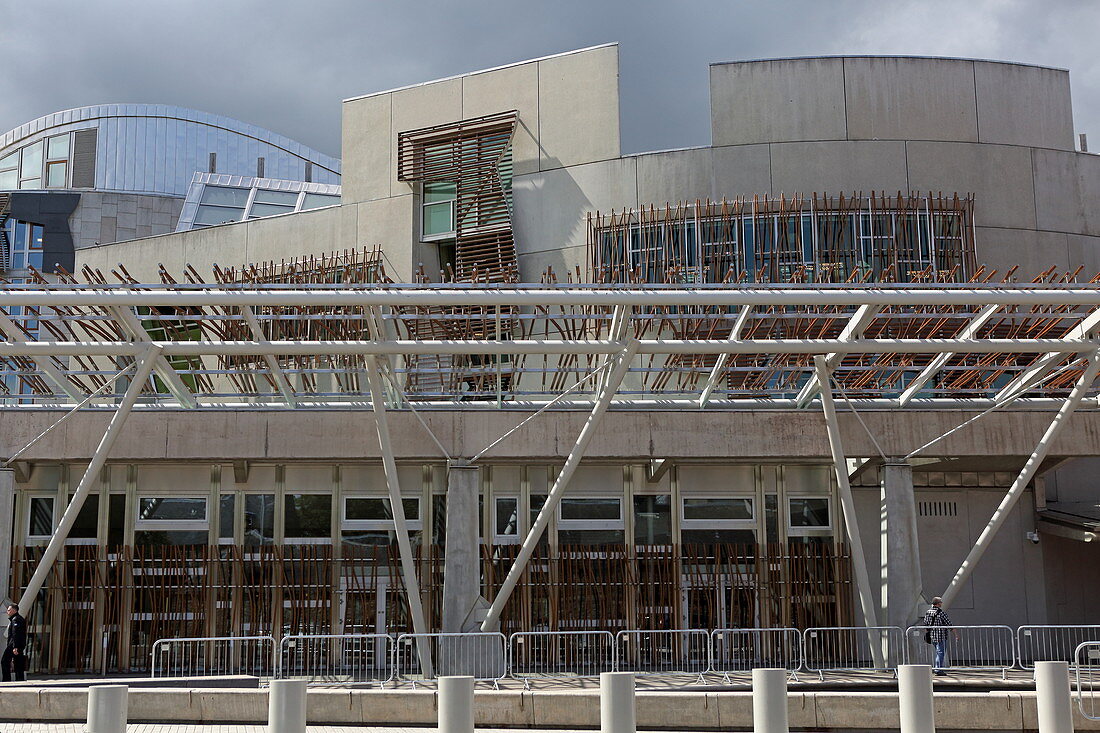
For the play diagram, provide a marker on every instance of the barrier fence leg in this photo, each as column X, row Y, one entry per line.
column 1052, row 697
column 617, row 713
column 769, row 700
column 915, row 698
column 107, row 708
column 286, row 706
column 456, row 705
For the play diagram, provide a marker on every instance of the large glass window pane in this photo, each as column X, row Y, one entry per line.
column 226, row 510
column 652, row 520
column 161, row 538
column 9, row 179
column 116, row 520
column 259, row 210
column 506, row 518
column 435, row 192
column 223, row 196
column 56, row 174
column 32, row 161
column 718, row 536
column 41, row 520
column 58, row 147
column 267, row 196
column 259, row 519
column 308, row 515
column 536, row 503
column 590, row 537
column 217, row 215
column 438, row 219
column 11, row 160
column 172, row 508
column 809, row 512
column 711, row 509
column 375, row 538
column 600, row 509
column 31, row 183
column 87, row 521
column 317, row 200
column 378, row 508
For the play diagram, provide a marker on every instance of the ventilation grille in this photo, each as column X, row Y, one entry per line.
column 5, row 249
column 938, row 508
column 84, row 145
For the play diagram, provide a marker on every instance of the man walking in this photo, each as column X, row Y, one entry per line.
column 937, row 620
column 15, row 655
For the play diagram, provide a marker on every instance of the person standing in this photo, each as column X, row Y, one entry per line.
column 15, row 655
column 938, row 622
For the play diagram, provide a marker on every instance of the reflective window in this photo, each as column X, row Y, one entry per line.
column 40, row 521
column 591, row 509
column 9, row 179
column 32, row 163
column 590, row 521
column 225, row 196
column 172, row 508
column 710, row 520
column 438, row 210
column 86, row 526
column 307, row 516
column 317, row 200
column 227, row 506
column 714, row 509
column 809, row 512
column 11, row 160
column 259, row 519
column 57, row 147
column 210, row 215
column 56, row 174
column 506, row 519
column 653, row 520
column 368, row 521
column 378, row 509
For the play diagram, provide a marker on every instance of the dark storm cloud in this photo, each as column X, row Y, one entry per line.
column 286, row 65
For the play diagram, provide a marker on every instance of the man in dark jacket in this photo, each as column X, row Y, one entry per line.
column 15, row 655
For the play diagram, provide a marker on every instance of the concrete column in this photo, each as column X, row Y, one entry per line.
column 462, row 560
column 286, row 706
column 769, row 701
column 617, row 712
column 107, row 708
column 902, row 586
column 1052, row 697
column 7, row 505
column 456, row 705
column 915, row 698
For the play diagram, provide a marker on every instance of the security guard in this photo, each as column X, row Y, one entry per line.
column 15, row 655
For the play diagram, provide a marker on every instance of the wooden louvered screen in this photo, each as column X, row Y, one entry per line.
column 475, row 155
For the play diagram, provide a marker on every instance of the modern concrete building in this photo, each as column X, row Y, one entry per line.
column 721, row 488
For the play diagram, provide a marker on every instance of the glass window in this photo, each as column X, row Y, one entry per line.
column 506, row 518
column 536, row 503
column 259, row 210
column 56, row 174
column 58, row 147
column 317, row 200
column 718, row 536
column 259, row 519
column 30, row 183
column 164, row 538
column 284, row 198
column 210, row 215
column 590, row 536
column 223, row 196
column 227, row 506
column 172, row 508
column 378, row 509
column 809, row 512
column 11, row 160
column 32, row 161
column 591, row 509
column 652, row 520
column 86, row 526
column 308, row 516
column 9, row 179
column 438, row 217
column 717, row 509
column 116, row 520
column 40, row 522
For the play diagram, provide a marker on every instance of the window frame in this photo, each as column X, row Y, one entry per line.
column 288, row 538
column 376, row 525
column 826, row 531
column 451, row 203
column 750, row 523
column 507, row 539
column 167, row 525
column 36, row 538
column 580, row 525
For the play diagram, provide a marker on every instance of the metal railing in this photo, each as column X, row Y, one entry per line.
column 1051, row 643
column 483, row 656
column 212, row 656
column 665, row 651
column 741, row 650
column 560, row 654
column 337, row 658
column 990, row 648
column 852, row 648
column 1086, row 662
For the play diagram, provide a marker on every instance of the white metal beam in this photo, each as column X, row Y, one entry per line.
column 53, row 374
column 277, row 374
column 723, row 359
column 91, row 475
column 162, row 368
column 940, row 361
column 853, row 329
column 1044, row 364
column 1000, row 515
column 610, row 386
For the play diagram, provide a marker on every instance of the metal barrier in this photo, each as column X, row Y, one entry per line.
column 337, row 658
column 990, row 648
column 215, row 655
column 560, row 654
column 1086, row 662
column 665, row 651
column 1051, row 643
column 741, row 650
column 483, row 656
column 852, row 648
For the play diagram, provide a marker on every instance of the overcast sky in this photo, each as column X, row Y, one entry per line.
column 286, row 64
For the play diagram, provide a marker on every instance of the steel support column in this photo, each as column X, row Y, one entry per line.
column 404, row 546
column 1000, row 515
column 90, row 477
column 607, row 392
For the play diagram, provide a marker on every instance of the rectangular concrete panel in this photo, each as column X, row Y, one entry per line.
column 741, row 170
column 390, row 223
column 999, row 176
column 782, row 100
column 679, row 175
column 293, row 235
column 1023, row 105
column 1034, row 252
column 838, row 167
column 512, row 87
column 1067, row 187
column 366, row 148
column 895, row 98
column 579, row 107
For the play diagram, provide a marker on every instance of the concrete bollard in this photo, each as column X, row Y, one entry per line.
column 1052, row 697
column 286, row 706
column 915, row 698
column 107, row 708
column 456, row 704
column 617, row 713
column 769, row 701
